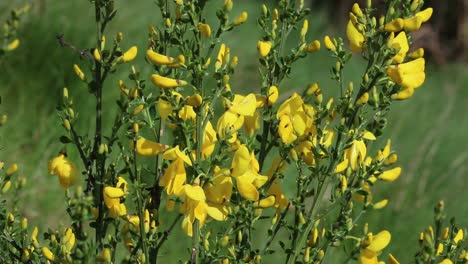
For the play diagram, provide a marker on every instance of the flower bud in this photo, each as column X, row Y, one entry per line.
column 66, row 124
column 329, row 44
column 227, row 5
column 224, row 241
column 119, row 36
column 79, row 73
column 11, row 218
column 138, row 109
column 12, row 169
column 240, row 19
column 65, row 93
column 6, row 187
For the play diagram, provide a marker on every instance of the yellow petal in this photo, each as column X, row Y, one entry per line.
column 48, row 254
column 458, row 236
column 130, row 54
column 246, row 188
column 148, row 148
column 244, row 105
column 400, row 43
column 413, row 23
column 166, row 82
column 395, row 25
column 356, row 39
column 379, row 241
column 187, row 226
column 218, row 212
column 342, row 166
column 195, row 193
column 266, row 202
column 164, row 108
column 390, row 175
column 425, row 15
column 403, row 94
column 368, row 257
column 240, row 161
column 240, row 19
column 329, row 44
column 381, row 204
column 263, row 48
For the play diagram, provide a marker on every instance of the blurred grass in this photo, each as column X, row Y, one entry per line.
column 428, row 131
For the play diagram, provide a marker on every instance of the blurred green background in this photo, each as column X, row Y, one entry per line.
column 429, row 132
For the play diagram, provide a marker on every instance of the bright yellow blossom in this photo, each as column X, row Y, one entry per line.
column 64, row 169
column 166, row 82
column 263, row 48
column 241, row 19
column 375, row 244
column 409, row 75
column 129, row 55
column 148, row 148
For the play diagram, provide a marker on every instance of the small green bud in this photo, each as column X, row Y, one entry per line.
column 264, row 10
column 24, row 223
column 224, row 241
column 66, row 124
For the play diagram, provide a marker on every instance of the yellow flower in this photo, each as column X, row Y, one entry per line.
column 165, row 82
column 209, row 140
column 458, row 237
column 375, row 244
column 329, row 43
column 245, row 170
column 78, row 72
column 395, row 25
column 97, row 55
column 273, row 94
column 12, row 45
column 356, row 38
column 263, row 48
column 187, row 113
column 194, row 207
column 148, row 148
column 295, row 119
column 68, row 241
column 400, row 44
column 48, row 254
column 244, row 105
column 64, row 169
column 164, row 108
column 129, row 55
column 104, row 256
column 414, row 23
column 112, row 196
column 252, row 123
column 240, row 19
column 218, row 194
column 205, row 30
column 221, row 58
column 446, row 261
column 409, row 75
column 158, row 59
column 12, row 169
column 228, row 124
column 390, row 175
column 313, row 46
column 174, row 178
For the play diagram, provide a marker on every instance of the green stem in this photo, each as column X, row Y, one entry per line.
column 275, row 231
column 140, row 206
